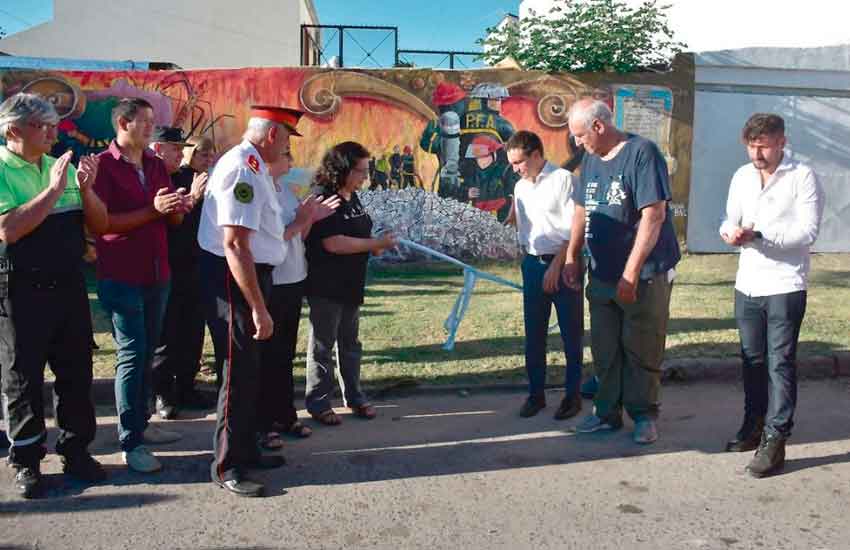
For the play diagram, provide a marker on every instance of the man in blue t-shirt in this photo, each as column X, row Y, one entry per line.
column 622, row 213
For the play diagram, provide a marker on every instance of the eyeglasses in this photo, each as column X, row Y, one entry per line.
column 41, row 126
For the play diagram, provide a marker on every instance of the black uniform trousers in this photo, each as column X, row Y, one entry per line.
column 177, row 359
column 230, row 321
column 45, row 319
column 277, row 395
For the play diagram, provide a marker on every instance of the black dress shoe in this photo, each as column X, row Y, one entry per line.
column 268, row 462
column 531, row 407
column 165, row 408
column 769, row 458
column 569, row 407
column 84, row 468
column 241, row 487
column 28, row 482
column 748, row 437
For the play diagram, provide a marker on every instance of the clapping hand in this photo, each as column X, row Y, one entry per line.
column 59, row 171
column 87, row 172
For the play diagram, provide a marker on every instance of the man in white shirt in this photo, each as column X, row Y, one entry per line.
column 773, row 212
column 543, row 213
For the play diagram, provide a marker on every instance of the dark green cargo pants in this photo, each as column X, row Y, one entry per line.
column 627, row 341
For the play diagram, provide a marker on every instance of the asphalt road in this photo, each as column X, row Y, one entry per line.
column 464, row 471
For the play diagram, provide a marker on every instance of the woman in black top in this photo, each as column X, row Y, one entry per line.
column 338, row 250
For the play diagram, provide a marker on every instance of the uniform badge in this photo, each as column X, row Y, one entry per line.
column 253, row 164
column 243, row 192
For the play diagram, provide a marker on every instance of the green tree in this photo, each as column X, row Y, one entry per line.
column 586, row 35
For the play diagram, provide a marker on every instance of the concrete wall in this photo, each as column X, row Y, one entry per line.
column 190, row 33
column 814, row 99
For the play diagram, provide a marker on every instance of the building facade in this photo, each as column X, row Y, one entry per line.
column 188, row 33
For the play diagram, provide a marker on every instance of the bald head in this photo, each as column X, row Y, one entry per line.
column 591, row 124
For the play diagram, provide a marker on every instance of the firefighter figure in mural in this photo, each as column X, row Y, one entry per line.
column 469, row 139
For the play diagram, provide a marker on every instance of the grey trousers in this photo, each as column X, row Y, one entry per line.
column 332, row 323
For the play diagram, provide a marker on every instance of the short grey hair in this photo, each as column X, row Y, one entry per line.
column 585, row 113
column 25, row 107
column 258, row 128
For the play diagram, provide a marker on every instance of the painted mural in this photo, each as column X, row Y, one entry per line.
column 438, row 133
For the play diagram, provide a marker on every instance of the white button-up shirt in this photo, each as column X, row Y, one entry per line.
column 294, row 268
column 544, row 210
column 241, row 192
column 787, row 212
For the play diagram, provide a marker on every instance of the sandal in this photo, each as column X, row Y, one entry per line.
column 296, row 429
column 327, row 417
column 365, row 410
column 271, row 441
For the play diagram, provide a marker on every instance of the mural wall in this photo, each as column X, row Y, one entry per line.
column 439, row 133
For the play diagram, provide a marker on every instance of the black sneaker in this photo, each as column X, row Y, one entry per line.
column 28, row 481
column 531, row 407
column 165, row 408
column 569, row 407
column 83, row 467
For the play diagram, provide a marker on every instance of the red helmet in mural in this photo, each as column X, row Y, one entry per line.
column 447, row 93
column 482, row 146
column 407, row 150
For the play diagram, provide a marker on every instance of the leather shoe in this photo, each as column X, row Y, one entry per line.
column 268, row 462
column 165, row 408
column 748, row 437
column 83, row 467
column 28, row 481
column 241, row 487
column 569, row 407
column 769, row 458
column 531, row 407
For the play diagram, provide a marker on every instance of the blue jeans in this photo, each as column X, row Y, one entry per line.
column 537, row 307
column 136, row 313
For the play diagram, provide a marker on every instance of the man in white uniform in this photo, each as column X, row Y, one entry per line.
column 241, row 234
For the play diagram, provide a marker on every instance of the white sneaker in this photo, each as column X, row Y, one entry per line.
column 141, row 460
column 155, row 435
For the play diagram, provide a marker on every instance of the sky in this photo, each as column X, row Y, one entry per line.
column 18, row 15
column 436, row 25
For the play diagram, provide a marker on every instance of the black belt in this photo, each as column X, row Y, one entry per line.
column 544, row 257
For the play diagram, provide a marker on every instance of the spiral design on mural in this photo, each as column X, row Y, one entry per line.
column 554, row 110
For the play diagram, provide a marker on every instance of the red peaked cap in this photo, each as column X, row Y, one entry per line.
column 282, row 115
column 447, row 93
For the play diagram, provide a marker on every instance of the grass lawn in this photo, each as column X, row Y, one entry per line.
column 402, row 332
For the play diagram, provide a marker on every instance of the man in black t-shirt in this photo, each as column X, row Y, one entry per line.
column 622, row 214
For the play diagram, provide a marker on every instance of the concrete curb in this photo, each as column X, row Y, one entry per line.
column 813, row 367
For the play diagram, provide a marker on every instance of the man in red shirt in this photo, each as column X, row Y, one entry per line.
column 132, row 269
